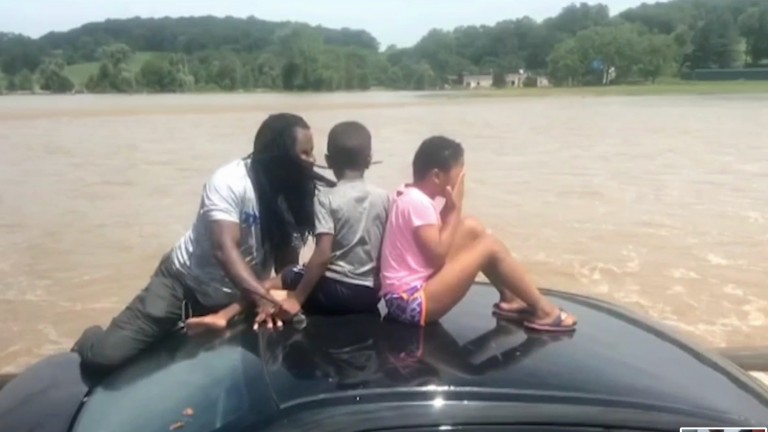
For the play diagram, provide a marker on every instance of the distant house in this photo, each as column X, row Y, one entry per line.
column 472, row 81
column 542, row 81
column 476, row 81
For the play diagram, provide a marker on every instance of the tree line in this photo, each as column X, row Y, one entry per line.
column 582, row 45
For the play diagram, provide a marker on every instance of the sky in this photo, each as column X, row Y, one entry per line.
column 399, row 22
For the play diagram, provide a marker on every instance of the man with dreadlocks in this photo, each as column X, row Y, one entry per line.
column 341, row 276
column 254, row 216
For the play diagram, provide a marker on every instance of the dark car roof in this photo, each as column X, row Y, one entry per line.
column 614, row 359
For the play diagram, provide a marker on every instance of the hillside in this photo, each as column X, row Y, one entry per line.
column 582, row 45
column 80, row 72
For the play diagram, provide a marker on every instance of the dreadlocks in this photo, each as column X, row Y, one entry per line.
column 284, row 185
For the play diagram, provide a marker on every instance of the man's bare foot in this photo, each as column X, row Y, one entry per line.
column 208, row 322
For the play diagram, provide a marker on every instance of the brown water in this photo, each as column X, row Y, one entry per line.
column 660, row 204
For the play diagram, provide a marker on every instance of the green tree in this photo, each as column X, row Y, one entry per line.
column 11, row 84
column 304, row 67
column 566, row 65
column 394, row 78
column 658, row 55
column 228, row 73
column 614, row 48
column 156, row 74
column 25, row 81
column 716, row 41
column 18, row 53
column 574, row 18
column 753, row 26
column 267, row 72
column 114, row 74
column 183, row 78
column 52, row 77
column 235, row 53
column 423, row 77
column 438, row 49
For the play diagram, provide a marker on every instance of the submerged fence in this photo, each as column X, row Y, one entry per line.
column 756, row 74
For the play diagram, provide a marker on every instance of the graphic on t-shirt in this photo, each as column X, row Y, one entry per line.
column 250, row 219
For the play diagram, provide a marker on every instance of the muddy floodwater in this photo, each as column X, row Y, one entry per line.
column 657, row 203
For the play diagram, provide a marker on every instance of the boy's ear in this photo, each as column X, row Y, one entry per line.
column 368, row 161
column 328, row 161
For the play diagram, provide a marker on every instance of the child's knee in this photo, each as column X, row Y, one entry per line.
column 492, row 246
column 473, row 226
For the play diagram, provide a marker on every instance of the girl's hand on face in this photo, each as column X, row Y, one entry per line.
column 454, row 195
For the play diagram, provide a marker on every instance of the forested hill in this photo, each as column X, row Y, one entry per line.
column 192, row 35
column 584, row 44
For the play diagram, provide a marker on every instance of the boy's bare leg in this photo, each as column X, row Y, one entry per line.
column 273, row 284
column 214, row 321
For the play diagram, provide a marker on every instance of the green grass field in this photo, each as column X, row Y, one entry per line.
column 80, row 72
column 662, row 87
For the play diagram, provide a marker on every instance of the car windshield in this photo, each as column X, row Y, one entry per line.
column 190, row 389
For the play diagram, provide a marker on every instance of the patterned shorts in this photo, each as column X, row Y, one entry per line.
column 408, row 306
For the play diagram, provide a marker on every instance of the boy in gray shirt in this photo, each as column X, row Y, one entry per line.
column 341, row 277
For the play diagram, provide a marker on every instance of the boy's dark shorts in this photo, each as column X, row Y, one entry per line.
column 331, row 296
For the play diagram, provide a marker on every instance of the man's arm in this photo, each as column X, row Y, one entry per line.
column 226, row 242
column 222, row 203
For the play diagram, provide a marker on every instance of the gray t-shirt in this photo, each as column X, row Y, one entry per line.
column 356, row 214
column 227, row 196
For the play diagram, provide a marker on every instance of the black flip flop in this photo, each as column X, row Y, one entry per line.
column 520, row 314
column 556, row 325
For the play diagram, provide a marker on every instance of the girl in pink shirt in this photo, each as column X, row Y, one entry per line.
column 431, row 256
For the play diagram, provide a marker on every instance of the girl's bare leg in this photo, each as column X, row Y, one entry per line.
column 469, row 232
column 449, row 285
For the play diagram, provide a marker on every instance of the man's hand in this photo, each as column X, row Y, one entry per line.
column 273, row 317
column 265, row 316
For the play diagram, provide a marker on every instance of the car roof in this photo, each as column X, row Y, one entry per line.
column 615, row 358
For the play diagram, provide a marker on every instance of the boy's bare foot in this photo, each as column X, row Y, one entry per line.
column 208, row 322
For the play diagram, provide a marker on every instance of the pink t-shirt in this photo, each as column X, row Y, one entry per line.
column 402, row 263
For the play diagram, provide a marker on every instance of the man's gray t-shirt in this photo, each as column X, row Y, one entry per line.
column 356, row 214
column 227, row 196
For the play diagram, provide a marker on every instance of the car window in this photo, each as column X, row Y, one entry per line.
column 196, row 391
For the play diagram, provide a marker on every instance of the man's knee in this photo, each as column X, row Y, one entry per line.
column 99, row 349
